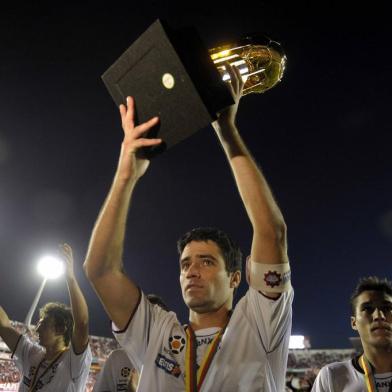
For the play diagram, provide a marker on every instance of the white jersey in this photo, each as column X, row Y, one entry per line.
column 251, row 356
column 347, row 376
column 68, row 374
column 115, row 374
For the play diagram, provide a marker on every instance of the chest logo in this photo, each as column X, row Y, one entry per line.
column 125, row 372
column 176, row 344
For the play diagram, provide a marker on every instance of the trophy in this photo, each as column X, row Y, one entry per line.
column 171, row 74
column 260, row 60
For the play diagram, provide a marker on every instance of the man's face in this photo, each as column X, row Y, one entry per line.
column 46, row 331
column 205, row 283
column 373, row 319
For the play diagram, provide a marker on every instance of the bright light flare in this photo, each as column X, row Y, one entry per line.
column 297, row 342
column 50, row 267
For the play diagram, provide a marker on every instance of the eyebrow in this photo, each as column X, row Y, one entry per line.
column 200, row 256
column 384, row 302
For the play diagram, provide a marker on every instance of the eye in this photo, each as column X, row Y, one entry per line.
column 386, row 308
column 367, row 309
column 207, row 262
column 185, row 265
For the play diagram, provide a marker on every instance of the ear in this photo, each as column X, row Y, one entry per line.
column 235, row 279
column 60, row 330
column 354, row 323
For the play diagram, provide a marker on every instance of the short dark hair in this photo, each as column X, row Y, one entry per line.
column 230, row 251
column 370, row 283
column 157, row 300
column 62, row 317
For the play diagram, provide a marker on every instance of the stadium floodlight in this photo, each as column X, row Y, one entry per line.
column 50, row 268
column 297, row 342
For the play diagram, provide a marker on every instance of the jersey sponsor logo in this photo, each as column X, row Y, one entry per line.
column 122, row 387
column 176, row 344
column 169, row 366
column 125, row 372
column 205, row 340
column 383, row 384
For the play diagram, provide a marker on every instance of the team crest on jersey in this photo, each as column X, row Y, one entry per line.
column 272, row 278
column 168, row 365
column 125, row 372
column 176, row 344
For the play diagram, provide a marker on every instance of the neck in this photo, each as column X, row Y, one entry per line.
column 380, row 358
column 216, row 318
column 54, row 350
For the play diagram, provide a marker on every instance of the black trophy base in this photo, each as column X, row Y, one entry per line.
column 170, row 75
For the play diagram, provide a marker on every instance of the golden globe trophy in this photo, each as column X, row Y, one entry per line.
column 260, row 60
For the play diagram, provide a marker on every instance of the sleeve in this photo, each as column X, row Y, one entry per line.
column 322, row 383
column 148, row 319
column 23, row 353
column 104, row 381
column 79, row 362
column 271, row 317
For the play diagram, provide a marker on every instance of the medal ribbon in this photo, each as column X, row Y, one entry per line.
column 35, row 381
column 370, row 381
column 190, row 361
column 194, row 378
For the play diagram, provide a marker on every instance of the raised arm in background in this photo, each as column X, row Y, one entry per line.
column 7, row 332
column 78, row 304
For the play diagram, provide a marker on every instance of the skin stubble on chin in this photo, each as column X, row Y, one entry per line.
column 194, row 297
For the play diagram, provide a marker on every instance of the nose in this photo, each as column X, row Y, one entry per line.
column 193, row 271
column 378, row 314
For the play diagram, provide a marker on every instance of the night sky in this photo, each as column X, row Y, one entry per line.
column 322, row 137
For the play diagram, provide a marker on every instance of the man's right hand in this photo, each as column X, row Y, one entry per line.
column 131, row 165
column 104, row 260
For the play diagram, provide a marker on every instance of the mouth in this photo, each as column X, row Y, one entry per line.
column 193, row 286
column 381, row 328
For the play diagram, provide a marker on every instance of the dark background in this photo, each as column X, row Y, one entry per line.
column 322, row 137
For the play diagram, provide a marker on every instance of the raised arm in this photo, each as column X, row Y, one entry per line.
column 9, row 334
column 104, row 265
column 78, row 303
column 269, row 244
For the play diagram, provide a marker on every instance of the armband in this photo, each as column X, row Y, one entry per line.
column 272, row 278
